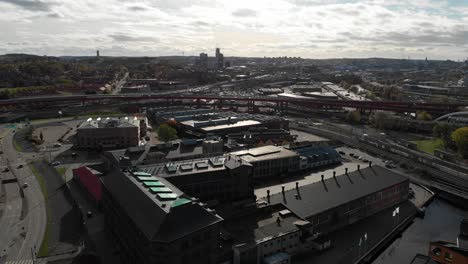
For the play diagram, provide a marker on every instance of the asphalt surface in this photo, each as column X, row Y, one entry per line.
column 24, row 234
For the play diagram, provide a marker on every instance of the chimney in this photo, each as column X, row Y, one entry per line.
column 334, row 174
column 346, row 170
column 268, row 194
column 370, row 163
column 322, row 177
column 282, row 189
column 278, row 221
column 358, row 167
column 297, row 185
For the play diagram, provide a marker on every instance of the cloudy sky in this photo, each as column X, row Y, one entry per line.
column 437, row 29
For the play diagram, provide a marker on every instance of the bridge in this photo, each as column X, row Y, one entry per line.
column 282, row 103
column 456, row 114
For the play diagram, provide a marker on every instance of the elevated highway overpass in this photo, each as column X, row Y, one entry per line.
column 411, row 107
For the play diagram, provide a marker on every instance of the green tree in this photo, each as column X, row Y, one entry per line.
column 443, row 131
column 354, row 117
column 382, row 120
column 166, row 132
column 460, row 137
column 424, row 116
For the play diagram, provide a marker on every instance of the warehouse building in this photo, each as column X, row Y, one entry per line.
column 343, row 200
column 221, row 179
column 270, row 161
column 110, row 133
column 265, row 233
column 152, row 221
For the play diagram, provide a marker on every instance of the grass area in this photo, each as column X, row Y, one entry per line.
column 44, row 249
column 429, row 146
column 17, row 146
column 61, row 170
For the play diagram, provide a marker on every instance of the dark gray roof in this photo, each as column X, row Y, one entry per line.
column 321, row 196
column 158, row 220
column 195, row 166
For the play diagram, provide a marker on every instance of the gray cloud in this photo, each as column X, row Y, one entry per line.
column 55, row 15
column 137, row 8
column 127, row 38
column 31, row 5
column 244, row 12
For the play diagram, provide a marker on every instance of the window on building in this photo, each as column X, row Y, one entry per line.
column 448, row 257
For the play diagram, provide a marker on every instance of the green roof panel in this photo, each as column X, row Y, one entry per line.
column 167, row 196
column 141, row 173
column 153, row 184
column 180, row 201
column 160, row 190
column 146, row 178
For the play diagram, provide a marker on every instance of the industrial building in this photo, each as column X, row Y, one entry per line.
column 254, row 137
column 270, row 161
column 202, row 122
column 268, row 233
column 110, row 133
column 221, row 179
column 343, row 200
column 152, row 221
column 176, row 150
column 315, row 154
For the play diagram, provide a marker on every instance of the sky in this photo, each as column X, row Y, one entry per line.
column 437, row 29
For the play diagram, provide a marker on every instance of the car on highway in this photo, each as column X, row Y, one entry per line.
column 55, row 163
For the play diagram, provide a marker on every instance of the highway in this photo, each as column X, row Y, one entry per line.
column 25, row 235
column 410, row 107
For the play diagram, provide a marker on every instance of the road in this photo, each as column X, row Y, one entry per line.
column 28, row 232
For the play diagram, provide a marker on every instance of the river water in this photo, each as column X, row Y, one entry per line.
column 441, row 222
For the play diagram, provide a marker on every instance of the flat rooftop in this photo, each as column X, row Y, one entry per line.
column 263, row 224
column 321, row 196
column 187, row 167
column 264, row 153
column 243, row 123
column 107, row 122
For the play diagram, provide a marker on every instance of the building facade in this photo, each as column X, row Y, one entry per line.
column 108, row 133
column 270, row 161
column 153, row 224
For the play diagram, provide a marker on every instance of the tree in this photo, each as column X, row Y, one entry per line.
column 354, row 117
column 443, row 131
column 424, row 116
column 382, row 120
column 460, row 136
column 166, row 132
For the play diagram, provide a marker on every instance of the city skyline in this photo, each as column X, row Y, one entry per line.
column 297, row 28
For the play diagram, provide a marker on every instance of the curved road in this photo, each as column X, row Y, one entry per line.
column 26, row 234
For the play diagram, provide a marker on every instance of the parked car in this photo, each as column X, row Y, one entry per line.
column 74, row 155
column 56, row 163
column 6, row 169
column 342, row 152
column 25, row 185
column 20, row 166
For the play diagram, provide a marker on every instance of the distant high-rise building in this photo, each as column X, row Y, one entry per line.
column 219, row 59
column 97, row 53
column 203, row 60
